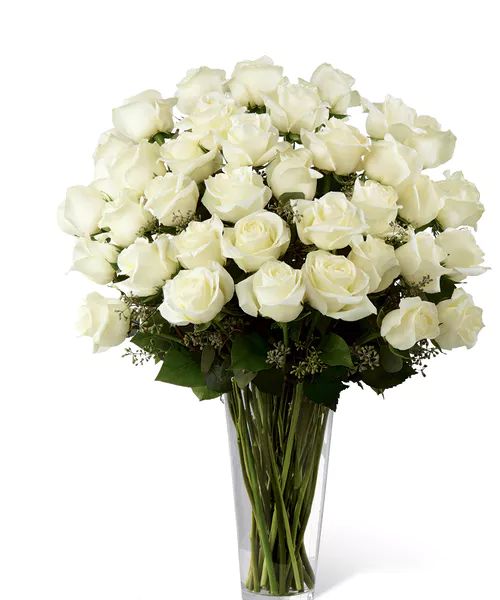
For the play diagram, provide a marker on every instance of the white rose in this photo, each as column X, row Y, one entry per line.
column 335, row 88
column 197, row 83
column 251, row 140
column 253, row 79
column 336, row 147
column 296, row 106
column 330, row 222
column 235, row 193
column 105, row 320
column 383, row 115
column 95, row 260
column 433, row 145
column 392, row 163
column 80, row 213
column 336, row 287
column 210, row 119
column 107, row 186
column 421, row 257
column 197, row 295
column 463, row 255
column 200, row 244
column 134, row 167
column 378, row 203
column 125, row 217
column 422, row 133
column 276, row 291
column 255, row 239
column 185, row 156
column 147, row 265
column 170, row 196
column 378, row 260
column 413, row 321
column 291, row 172
column 419, row 201
column 144, row 115
column 460, row 321
column 461, row 204
column 111, row 144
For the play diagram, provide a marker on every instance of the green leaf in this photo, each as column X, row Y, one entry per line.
column 181, row 368
column 151, row 342
column 335, row 351
column 204, row 393
column 243, row 378
column 218, row 377
column 142, row 340
column 207, row 358
column 447, row 287
column 325, row 389
column 379, row 379
column 249, row 353
column 270, row 382
column 391, row 362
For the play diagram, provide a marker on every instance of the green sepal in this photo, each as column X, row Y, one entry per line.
column 254, row 108
column 293, row 138
column 287, row 196
column 160, row 137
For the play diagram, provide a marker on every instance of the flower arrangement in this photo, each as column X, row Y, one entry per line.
column 262, row 247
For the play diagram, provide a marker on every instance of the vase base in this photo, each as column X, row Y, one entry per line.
column 246, row 595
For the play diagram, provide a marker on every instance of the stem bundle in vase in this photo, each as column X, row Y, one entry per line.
column 263, row 248
column 280, row 440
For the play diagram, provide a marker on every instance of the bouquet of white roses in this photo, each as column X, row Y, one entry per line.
column 262, row 247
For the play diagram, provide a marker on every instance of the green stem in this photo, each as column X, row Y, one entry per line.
column 297, row 403
column 254, row 565
column 259, row 511
column 282, row 514
column 280, row 439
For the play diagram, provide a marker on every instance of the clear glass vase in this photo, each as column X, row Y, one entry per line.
column 279, row 455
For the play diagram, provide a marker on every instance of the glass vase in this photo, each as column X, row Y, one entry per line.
column 279, row 446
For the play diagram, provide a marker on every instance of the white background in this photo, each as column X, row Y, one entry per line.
column 113, row 487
